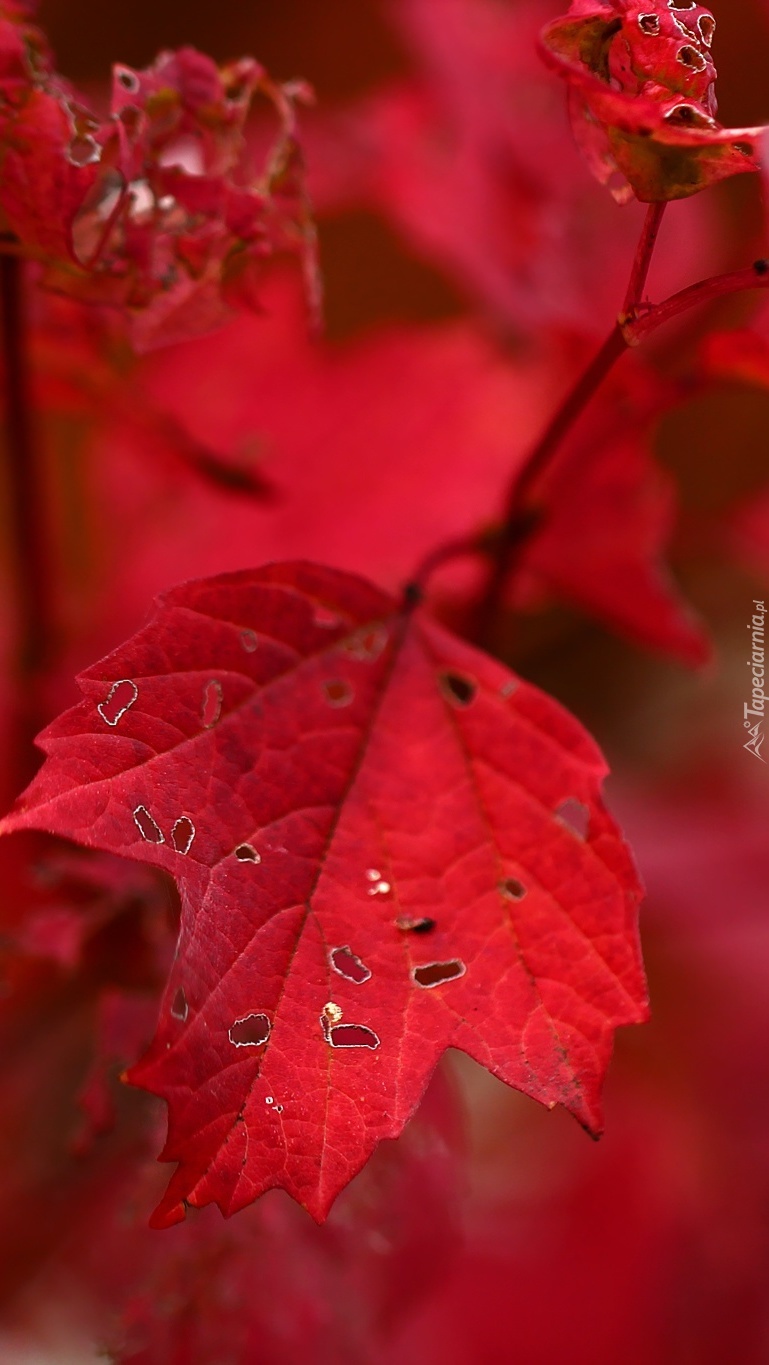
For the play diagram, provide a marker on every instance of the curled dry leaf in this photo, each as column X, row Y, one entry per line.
column 642, row 101
column 386, row 774
column 160, row 207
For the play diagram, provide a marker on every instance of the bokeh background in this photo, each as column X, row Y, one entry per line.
column 464, row 249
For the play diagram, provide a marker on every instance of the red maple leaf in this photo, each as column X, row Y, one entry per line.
column 385, row 844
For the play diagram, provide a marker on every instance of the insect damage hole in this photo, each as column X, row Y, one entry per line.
column 211, row 709
column 367, row 645
column 249, row 640
column 421, row 925
column 119, row 699
column 183, row 834
column 649, row 23
column 84, row 151
column 575, row 816
column 252, row 1030
column 246, row 853
column 179, row 1007
column 351, row 1035
column 337, row 692
column 128, row 79
column 346, row 964
column 437, row 973
column 147, row 827
column 458, row 688
column 707, row 27
column 512, row 889
column 689, row 56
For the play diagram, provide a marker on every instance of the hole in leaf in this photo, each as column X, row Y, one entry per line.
column 367, row 644
column 251, row 1031
column 649, row 23
column 689, row 56
column 415, row 926
column 338, row 692
column 183, row 834
column 707, row 27
column 278, row 1108
column 269, row 1099
column 459, row 689
column 249, row 640
column 84, row 151
column 349, row 966
column 437, row 973
column 512, row 889
column 128, row 79
column 689, row 116
column 212, row 703
column 120, row 697
column 179, row 1006
column 575, row 816
column 743, row 147
column 246, row 853
column 147, row 827
column 352, row 1035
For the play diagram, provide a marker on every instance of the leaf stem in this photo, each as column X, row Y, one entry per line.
column 635, row 323
column 29, row 541
column 643, row 257
column 640, row 322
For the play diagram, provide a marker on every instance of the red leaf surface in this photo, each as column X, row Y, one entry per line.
column 464, row 421
column 385, row 845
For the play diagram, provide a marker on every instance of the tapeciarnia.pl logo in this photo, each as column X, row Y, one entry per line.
column 755, row 709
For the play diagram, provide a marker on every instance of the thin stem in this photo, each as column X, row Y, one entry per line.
column 639, row 325
column 520, row 513
column 29, row 544
column 25, row 492
column 643, row 259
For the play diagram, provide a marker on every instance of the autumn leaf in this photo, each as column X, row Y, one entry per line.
column 161, row 209
column 385, row 845
column 608, row 512
column 641, row 84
